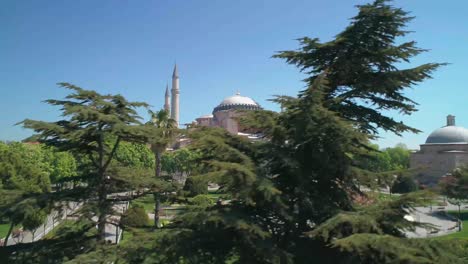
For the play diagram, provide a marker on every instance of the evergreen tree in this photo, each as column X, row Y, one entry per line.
column 404, row 184
column 360, row 65
column 308, row 160
column 94, row 125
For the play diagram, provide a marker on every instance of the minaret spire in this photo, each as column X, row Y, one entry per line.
column 175, row 95
column 167, row 98
column 175, row 74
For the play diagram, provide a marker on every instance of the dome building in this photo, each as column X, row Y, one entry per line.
column 225, row 114
column 445, row 149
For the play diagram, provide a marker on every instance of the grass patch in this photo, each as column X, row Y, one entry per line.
column 463, row 234
column 55, row 231
column 381, row 197
column 72, row 228
column 131, row 232
column 4, row 229
column 146, row 201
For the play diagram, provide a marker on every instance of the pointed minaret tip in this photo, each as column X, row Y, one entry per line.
column 167, row 89
column 175, row 74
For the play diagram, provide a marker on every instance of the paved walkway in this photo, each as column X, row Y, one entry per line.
column 435, row 216
column 113, row 233
column 53, row 220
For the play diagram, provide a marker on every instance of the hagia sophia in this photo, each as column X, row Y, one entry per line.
column 445, row 149
column 224, row 115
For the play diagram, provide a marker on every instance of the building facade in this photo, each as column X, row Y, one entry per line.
column 445, row 149
column 225, row 115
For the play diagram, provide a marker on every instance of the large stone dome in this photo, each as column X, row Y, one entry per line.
column 236, row 102
column 449, row 134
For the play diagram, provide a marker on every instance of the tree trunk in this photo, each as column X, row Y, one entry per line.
column 157, row 200
column 102, row 218
column 158, row 163
column 9, row 233
column 157, row 207
column 102, row 208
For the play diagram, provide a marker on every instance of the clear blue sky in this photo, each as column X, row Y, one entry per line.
column 129, row 47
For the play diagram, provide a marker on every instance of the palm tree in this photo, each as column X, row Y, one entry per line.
column 162, row 132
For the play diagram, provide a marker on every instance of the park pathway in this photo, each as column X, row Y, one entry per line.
column 113, row 232
column 435, row 215
column 53, row 219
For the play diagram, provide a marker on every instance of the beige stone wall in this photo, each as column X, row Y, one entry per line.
column 434, row 161
column 226, row 120
column 205, row 121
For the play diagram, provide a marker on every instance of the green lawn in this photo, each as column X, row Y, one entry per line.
column 136, row 233
column 146, row 202
column 379, row 197
column 54, row 232
column 4, row 230
column 463, row 234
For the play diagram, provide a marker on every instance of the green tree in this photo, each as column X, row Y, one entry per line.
column 455, row 187
column 62, row 165
column 94, row 125
column 23, row 182
column 180, row 163
column 404, row 184
column 161, row 131
column 361, row 65
column 135, row 216
column 134, row 155
column 194, row 187
column 304, row 174
column 19, row 170
column 33, row 220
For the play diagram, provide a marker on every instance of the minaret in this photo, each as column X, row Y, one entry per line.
column 167, row 103
column 175, row 96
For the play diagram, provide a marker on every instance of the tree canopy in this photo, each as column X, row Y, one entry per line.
column 93, row 125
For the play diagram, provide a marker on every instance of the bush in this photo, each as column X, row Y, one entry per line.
column 136, row 216
column 194, row 187
column 404, row 184
column 202, row 200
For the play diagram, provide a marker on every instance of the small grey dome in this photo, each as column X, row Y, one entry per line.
column 448, row 135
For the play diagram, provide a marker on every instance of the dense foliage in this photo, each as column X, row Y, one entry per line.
column 195, row 186
column 94, row 125
column 455, row 187
column 388, row 159
column 404, row 184
column 135, row 216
